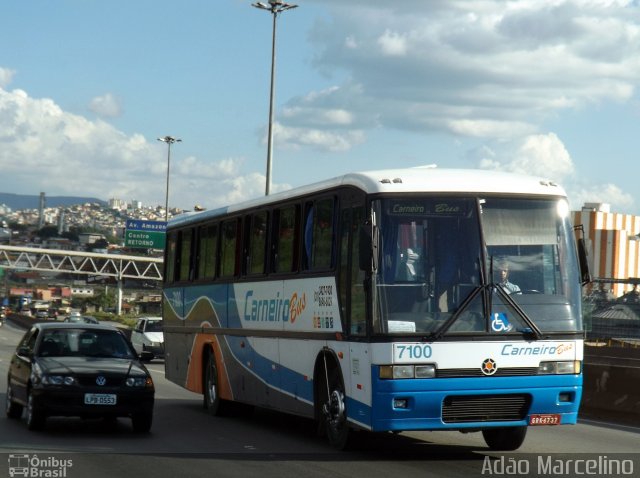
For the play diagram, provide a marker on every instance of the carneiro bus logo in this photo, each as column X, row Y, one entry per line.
column 274, row 309
column 545, row 349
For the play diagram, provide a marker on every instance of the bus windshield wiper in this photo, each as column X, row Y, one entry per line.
column 437, row 334
column 532, row 328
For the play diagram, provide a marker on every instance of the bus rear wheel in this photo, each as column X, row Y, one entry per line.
column 504, row 439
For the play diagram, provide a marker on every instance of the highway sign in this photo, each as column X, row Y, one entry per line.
column 145, row 234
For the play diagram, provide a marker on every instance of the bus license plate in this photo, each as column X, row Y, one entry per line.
column 100, row 399
column 545, row 419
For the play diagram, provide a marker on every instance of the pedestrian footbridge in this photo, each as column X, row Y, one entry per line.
column 117, row 266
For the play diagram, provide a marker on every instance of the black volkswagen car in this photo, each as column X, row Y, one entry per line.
column 78, row 369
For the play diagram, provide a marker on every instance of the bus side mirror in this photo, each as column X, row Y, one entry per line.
column 585, row 273
column 583, row 257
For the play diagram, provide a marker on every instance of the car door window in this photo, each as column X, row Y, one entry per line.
column 29, row 341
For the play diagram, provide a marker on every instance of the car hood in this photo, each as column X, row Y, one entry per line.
column 91, row 365
column 155, row 336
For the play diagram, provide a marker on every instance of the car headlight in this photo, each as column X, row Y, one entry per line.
column 139, row 382
column 58, row 380
column 560, row 368
column 407, row 371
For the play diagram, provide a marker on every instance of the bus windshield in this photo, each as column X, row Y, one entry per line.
column 481, row 266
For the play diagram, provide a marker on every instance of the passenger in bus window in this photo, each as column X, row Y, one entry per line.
column 508, row 286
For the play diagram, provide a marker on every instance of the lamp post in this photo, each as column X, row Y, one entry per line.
column 169, row 140
column 274, row 7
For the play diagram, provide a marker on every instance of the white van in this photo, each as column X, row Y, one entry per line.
column 147, row 335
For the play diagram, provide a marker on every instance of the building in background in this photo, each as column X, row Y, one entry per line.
column 613, row 244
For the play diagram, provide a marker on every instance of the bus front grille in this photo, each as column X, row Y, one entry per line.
column 485, row 408
column 477, row 372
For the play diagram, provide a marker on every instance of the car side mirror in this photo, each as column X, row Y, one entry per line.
column 24, row 351
column 145, row 356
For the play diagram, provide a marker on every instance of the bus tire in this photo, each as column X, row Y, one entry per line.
column 331, row 408
column 504, row 439
column 212, row 401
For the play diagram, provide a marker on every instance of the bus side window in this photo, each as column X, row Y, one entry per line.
column 285, row 240
column 207, row 251
column 170, row 259
column 318, row 235
column 185, row 255
column 228, row 248
column 257, row 239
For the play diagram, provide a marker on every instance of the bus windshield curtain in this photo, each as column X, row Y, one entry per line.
column 518, row 226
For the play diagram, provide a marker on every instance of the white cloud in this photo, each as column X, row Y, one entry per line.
column 106, row 106
column 482, row 69
column 602, row 193
column 322, row 140
column 487, row 128
column 47, row 149
column 392, row 44
column 540, row 155
column 6, row 76
column 545, row 155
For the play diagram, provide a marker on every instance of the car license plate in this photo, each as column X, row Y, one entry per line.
column 545, row 419
column 100, row 399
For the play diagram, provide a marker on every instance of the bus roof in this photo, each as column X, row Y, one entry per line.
column 425, row 179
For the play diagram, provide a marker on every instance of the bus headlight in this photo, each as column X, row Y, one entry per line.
column 407, row 371
column 560, row 368
column 425, row 371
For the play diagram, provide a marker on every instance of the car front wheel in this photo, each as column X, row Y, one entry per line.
column 35, row 416
column 13, row 409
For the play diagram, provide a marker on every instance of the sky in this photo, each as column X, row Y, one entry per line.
column 545, row 87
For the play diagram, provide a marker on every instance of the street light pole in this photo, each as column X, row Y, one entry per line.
column 274, row 7
column 169, row 140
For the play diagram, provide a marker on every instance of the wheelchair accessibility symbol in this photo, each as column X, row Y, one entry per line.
column 500, row 323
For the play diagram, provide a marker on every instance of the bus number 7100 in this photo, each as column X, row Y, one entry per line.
column 412, row 351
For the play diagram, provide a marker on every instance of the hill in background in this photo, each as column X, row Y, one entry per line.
column 24, row 201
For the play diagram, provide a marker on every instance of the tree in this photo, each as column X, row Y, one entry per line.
column 47, row 232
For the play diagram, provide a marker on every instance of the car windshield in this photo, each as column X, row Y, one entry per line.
column 475, row 265
column 153, row 326
column 83, row 343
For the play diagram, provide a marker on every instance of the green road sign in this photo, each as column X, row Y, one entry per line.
column 145, row 234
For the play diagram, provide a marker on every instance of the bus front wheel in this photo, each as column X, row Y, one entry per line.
column 332, row 412
column 212, row 401
column 504, row 439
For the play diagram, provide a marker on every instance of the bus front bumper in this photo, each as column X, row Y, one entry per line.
column 474, row 403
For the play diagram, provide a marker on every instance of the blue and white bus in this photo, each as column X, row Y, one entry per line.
column 380, row 301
